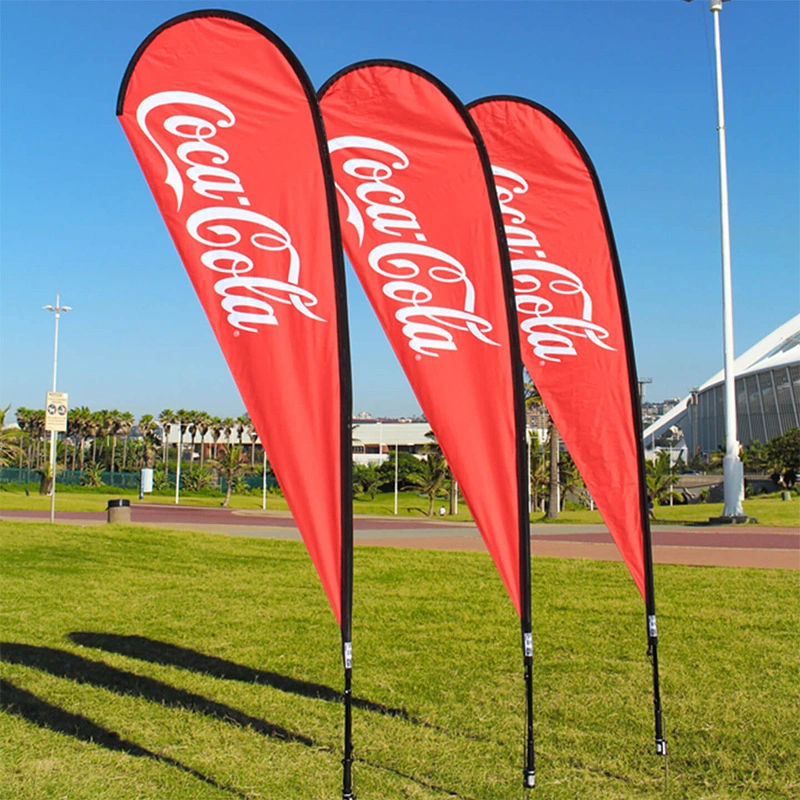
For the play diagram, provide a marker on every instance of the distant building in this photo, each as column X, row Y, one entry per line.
column 767, row 397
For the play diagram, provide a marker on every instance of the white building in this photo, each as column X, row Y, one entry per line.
column 767, row 397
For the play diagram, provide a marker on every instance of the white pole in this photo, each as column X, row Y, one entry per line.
column 264, row 484
column 57, row 309
column 396, row 468
column 530, row 493
column 733, row 470
column 178, row 467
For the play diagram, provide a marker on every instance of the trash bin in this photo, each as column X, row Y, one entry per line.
column 119, row 511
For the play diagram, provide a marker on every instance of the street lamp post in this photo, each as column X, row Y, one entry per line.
column 396, row 473
column 733, row 471
column 56, row 309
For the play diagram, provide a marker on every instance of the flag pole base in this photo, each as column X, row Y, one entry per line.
column 661, row 747
column 529, row 778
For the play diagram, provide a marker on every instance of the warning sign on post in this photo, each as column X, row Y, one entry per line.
column 55, row 412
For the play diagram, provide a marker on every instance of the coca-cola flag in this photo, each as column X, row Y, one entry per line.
column 226, row 128
column 420, row 226
column 574, row 329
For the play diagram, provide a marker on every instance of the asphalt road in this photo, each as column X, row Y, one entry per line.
column 701, row 545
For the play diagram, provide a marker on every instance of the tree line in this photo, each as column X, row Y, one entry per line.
column 102, row 439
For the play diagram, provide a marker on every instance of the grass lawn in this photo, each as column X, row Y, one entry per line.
column 140, row 663
column 769, row 510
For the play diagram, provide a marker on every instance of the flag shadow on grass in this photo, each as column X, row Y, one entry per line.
column 166, row 654
column 64, row 664
column 71, row 666
column 21, row 703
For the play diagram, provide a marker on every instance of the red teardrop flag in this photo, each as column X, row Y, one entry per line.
column 575, row 333
column 225, row 125
column 420, row 226
column 574, row 330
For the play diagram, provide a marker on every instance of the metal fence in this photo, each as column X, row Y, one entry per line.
column 121, row 480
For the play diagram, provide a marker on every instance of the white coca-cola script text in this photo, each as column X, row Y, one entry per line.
column 412, row 269
column 540, row 284
column 241, row 243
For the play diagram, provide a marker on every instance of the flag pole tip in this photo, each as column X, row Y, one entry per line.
column 661, row 747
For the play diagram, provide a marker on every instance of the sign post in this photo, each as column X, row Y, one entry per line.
column 55, row 421
column 145, row 482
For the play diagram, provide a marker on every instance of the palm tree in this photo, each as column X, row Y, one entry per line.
column 533, row 400
column 166, row 418
column 77, row 422
column 368, row 478
column 111, row 421
column 231, row 465
column 241, row 423
column 431, row 477
column 228, row 425
column 570, row 480
column 203, row 425
column 37, row 431
column 9, row 440
column 94, row 427
column 147, row 427
column 24, row 416
column 539, row 470
column 253, row 434
column 660, row 476
column 216, row 428
column 126, row 420
column 434, row 447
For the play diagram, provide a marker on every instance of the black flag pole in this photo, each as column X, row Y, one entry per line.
column 647, row 543
column 346, row 392
column 347, row 580
column 347, row 758
column 346, row 449
column 522, row 457
column 644, row 506
column 529, row 771
column 652, row 631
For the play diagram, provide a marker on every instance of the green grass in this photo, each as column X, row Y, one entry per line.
column 98, row 715
column 769, row 510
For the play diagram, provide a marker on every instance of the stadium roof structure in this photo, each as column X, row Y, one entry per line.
column 767, row 396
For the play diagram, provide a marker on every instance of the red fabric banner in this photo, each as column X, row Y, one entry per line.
column 574, row 329
column 420, row 226
column 226, row 128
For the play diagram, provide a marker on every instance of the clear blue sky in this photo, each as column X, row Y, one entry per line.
column 634, row 80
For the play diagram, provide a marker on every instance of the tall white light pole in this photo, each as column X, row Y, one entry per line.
column 733, row 471
column 56, row 309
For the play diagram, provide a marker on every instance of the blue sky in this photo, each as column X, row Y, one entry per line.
column 634, row 80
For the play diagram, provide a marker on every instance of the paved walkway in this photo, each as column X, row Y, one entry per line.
column 702, row 545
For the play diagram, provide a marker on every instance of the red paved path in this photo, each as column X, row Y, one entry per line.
column 742, row 546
